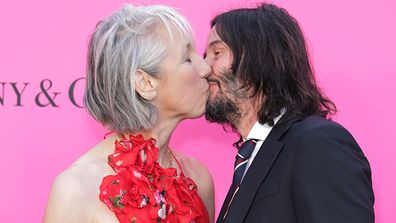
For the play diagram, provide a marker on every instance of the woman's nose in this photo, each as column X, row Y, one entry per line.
column 205, row 70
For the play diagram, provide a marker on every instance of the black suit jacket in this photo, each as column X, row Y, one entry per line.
column 307, row 171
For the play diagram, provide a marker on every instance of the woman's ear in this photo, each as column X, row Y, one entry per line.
column 146, row 85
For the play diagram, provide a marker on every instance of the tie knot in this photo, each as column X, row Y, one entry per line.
column 246, row 149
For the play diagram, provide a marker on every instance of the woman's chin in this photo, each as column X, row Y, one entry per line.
column 197, row 114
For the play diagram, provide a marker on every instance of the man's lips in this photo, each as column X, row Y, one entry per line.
column 212, row 82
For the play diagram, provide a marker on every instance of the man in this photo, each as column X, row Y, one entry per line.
column 295, row 165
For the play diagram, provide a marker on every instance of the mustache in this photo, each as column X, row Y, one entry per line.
column 226, row 76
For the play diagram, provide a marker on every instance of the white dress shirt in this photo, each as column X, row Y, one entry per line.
column 258, row 132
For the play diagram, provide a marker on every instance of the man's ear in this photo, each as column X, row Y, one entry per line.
column 146, row 85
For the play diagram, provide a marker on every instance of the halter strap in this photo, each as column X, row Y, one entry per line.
column 177, row 161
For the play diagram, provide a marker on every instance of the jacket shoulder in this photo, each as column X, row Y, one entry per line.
column 313, row 125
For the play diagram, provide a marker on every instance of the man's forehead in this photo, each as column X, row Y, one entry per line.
column 213, row 37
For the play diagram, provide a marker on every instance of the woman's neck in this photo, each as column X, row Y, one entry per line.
column 161, row 132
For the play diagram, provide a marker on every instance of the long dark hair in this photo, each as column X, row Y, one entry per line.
column 270, row 59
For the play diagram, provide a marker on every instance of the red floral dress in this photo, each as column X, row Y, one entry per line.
column 143, row 191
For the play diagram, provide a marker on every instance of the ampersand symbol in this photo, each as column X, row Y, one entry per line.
column 44, row 90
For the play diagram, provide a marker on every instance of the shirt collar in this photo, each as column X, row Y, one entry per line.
column 260, row 131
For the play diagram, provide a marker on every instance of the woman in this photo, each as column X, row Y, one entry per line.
column 143, row 79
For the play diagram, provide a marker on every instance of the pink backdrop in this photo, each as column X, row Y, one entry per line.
column 352, row 45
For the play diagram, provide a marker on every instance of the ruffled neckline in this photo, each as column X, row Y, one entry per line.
column 141, row 190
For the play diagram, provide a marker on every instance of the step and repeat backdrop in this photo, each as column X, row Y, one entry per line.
column 44, row 126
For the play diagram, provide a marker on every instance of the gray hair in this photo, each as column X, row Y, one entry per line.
column 130, row 39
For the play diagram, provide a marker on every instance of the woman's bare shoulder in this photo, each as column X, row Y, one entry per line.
column 198, row 172
column 195, row 170
column 75, row 187
column 86, row 170
column 192, row 167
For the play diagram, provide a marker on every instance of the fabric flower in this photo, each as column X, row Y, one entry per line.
column 134, row 151
column 126, row 190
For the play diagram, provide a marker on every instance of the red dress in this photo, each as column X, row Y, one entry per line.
column 143, row 191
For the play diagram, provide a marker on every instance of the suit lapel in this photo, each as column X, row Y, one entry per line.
column 256, row 174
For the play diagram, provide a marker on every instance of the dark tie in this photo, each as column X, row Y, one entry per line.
column 241, row 160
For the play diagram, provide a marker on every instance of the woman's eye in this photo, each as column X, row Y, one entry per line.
column 188, row 60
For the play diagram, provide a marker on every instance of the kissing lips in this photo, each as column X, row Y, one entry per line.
column 213, row 82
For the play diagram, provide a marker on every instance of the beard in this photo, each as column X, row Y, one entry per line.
column 221, row 108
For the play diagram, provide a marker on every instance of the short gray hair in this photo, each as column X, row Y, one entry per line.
column 128, row 40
